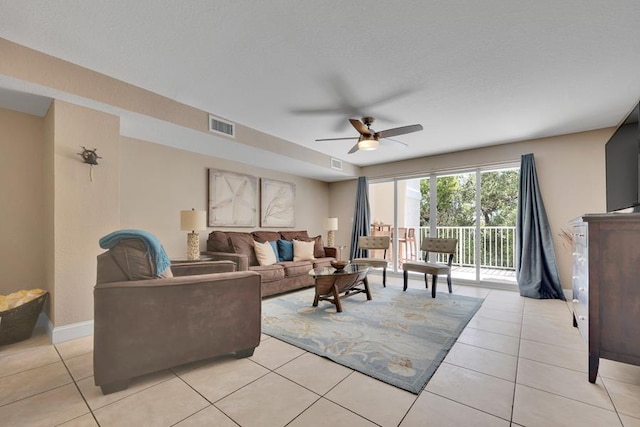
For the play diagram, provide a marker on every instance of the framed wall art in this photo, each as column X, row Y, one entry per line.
column 277, row 202
column 232, row 199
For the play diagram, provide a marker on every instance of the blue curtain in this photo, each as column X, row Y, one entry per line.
column 361, row 219
column 536, row 267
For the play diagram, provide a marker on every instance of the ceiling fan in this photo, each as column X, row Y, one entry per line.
column 370, row 139
column 350, row 102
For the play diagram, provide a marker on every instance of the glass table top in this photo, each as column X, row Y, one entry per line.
column 349, row 269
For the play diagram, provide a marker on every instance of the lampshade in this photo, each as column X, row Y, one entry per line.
column 368, row 142
column 331, row 223
column 193, row 220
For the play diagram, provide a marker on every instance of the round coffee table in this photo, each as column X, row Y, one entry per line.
column 330, row 283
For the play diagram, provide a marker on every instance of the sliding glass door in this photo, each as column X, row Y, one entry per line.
column 497, row 225
column 477, row 207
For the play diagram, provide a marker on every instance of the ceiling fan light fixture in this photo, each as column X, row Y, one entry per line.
column 368, row 143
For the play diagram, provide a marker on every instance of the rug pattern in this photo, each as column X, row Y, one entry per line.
column 399, row 337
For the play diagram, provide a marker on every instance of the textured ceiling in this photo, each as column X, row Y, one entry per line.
column 473, row 73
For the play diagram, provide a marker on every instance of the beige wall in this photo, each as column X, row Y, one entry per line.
column 52, row 214
column 21, row 202
column 84, row 210
column 48, row 241
column 158, row 182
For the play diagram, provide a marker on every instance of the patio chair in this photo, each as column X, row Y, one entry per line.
column 446, row 246
column 375, row 243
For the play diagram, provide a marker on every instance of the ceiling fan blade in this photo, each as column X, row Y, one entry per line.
column 399, row 131
column 389, row 97
column 344, row 98
column 360, row 127
column 337, row 139
column 354, row 149
column 393, row 143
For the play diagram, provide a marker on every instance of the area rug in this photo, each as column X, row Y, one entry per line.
column 399, row 337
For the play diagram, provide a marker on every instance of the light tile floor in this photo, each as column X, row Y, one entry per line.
column 519, row 362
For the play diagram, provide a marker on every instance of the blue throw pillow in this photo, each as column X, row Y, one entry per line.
column 274, row 245
column 285, row 250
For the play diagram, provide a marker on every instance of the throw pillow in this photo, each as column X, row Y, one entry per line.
column 274, row 245
column 285, row 250
column 318, row 251
column 264, row 253
column 218, row 241
column 303, row 250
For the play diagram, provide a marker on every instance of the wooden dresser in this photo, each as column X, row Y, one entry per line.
column 606, row 286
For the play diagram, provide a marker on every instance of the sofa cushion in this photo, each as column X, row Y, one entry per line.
column 264, row 253
column 303, row 250
column 265, row 236
column 218, row 241
column 296, row 268
column 285, row 250
column 292, row 235
column 243, row 244
column 318, row 249
column 269, row 273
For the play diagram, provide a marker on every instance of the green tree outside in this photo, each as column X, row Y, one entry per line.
column 456, row 200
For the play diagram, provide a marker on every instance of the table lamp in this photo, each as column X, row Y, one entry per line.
column 193, row 220
column 331, row 225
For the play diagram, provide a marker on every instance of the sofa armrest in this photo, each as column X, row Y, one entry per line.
column 176, row 282
column 202, row 267
column 241, row 261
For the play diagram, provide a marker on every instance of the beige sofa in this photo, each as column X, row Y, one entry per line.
column 277, row 278
column 143, row 323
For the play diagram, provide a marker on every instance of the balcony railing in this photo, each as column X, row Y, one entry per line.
column 497, row 246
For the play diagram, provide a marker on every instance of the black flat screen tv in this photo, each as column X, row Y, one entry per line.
column 622, row 153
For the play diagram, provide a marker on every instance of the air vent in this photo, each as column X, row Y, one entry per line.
column 336, row 164
column 217, row 125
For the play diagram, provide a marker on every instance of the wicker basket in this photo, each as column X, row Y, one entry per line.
column 17, row 323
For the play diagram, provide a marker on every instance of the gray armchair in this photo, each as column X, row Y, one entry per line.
column 144, row 323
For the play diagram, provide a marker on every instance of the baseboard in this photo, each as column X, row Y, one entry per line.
column 67, row 332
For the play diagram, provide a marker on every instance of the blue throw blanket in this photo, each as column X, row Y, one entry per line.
column 154, row 248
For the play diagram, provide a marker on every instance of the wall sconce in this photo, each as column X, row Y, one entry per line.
column 191, row 221
column 331, row 225
column 90, row 157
